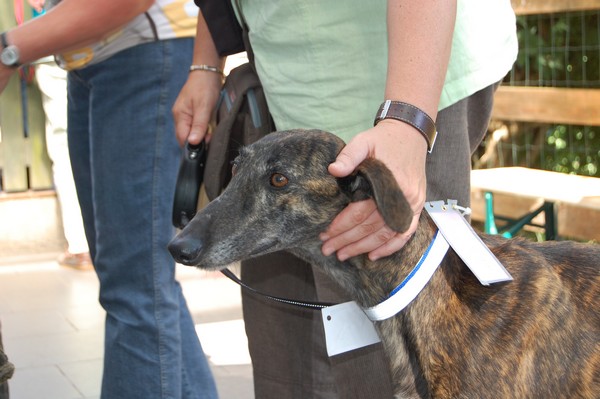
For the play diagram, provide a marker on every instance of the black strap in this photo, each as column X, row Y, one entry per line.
column 222, row 25
column 307, row 305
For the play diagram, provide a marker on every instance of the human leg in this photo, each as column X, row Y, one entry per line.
column 52, row 82
column 287, row 344
column 361, row 373
column 125, row 160
column 461, row 128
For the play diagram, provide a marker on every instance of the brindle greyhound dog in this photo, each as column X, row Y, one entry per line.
column 537, row 336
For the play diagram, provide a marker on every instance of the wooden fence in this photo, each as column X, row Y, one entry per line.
column 547, row 104
column 24, row 163
column 577, row 106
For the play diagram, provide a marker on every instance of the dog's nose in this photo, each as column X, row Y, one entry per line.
column 185, row 251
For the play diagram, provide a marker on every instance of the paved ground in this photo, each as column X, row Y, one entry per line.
column 53, row 327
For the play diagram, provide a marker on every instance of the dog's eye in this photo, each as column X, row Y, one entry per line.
column 278, row 180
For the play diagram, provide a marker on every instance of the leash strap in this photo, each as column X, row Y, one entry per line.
column 302, row 304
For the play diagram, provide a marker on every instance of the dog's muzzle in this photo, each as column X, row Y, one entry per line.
column 185, row 250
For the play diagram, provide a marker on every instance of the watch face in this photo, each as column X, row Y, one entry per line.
column 10, row 56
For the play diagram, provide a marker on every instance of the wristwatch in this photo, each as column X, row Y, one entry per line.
column 412, row 115
column 10, row 53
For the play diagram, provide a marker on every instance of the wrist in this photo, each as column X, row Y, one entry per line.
column 206, row 68
column 411, row 115
column 9, row 54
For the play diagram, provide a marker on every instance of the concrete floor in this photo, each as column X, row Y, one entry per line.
column 53, row 329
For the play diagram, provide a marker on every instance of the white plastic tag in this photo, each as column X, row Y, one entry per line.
column 466, row 243
column 347, row 328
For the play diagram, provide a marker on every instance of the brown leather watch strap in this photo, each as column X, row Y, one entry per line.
column 409, row 114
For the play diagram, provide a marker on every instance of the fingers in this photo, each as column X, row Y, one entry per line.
column 360, row 229
column 182, row 126
column 193, row 108
column 395, row 243
column 199, row 127
column 349, row 158
column 191, row 120
column 357, row 221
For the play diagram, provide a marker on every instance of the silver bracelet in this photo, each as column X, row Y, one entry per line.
column 207, row 68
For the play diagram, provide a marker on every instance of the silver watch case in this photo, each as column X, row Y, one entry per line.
column 10, row 56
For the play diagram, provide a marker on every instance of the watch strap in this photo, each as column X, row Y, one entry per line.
column 410, row 114
column 3, row 40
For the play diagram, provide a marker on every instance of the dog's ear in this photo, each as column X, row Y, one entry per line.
column 372, row 179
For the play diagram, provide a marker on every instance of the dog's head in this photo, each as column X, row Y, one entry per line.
column 281, row 197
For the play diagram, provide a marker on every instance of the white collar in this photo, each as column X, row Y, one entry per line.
column 414, row 283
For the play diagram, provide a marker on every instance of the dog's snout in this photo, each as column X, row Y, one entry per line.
column 185, row 251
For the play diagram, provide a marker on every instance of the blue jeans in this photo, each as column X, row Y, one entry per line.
column 125, row 160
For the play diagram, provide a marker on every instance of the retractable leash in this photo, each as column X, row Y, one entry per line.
column 302, row 304
column 400, row 294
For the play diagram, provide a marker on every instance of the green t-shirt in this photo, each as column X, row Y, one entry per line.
column 323, row 63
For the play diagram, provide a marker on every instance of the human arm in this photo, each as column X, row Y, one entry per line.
column 194, row 105
column 37, row 5
column 419, row 42
column 71, row 24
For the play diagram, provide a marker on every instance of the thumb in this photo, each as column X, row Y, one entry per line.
column 198, row 128
column 349, row 158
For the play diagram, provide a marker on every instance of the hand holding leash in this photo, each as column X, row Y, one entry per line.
column 194, row 107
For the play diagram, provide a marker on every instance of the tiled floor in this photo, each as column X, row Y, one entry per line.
column 52, row 327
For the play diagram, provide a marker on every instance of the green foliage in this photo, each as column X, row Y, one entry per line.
column 558, row 50
column 574, row 149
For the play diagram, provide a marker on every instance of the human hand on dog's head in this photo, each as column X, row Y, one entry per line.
column 360, row 227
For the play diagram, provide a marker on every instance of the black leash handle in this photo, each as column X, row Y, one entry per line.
column 302, row 304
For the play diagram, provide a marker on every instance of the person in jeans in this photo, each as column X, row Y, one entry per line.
column 330, row 65
column 127, row 60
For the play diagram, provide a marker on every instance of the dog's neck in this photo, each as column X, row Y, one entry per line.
column 368, row 282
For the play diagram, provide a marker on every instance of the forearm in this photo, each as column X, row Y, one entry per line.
column 419, row 43
column 194, row 105
column 205, row 52
column 73, row 23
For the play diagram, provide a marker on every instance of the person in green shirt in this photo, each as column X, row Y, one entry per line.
column 331, row 65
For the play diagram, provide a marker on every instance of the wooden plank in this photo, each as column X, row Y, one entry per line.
column 574, row 222
column 525, row 7
column 577, row 222
column 536, row 184
column 548, row 104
